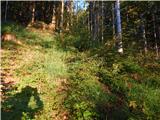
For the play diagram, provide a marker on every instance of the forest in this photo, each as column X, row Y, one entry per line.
column 80, row 60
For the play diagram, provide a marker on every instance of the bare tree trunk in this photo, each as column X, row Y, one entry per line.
column 119, row 30
column 91, row 18
column 98, row 20
column 77, row 10
column 144, row 38
column 90, row 14
column 113, row 24
column 102, row 37
column 155, row 36
column 53, row 15
column 5, row 18
column 144, row 34
column 58, row 17
column 95, row 20
column 52, row 25
column 62, row 12
column 33, row 12
column 70, row 13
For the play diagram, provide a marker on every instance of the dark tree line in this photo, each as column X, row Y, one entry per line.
column 139, row 21
column 26, row 12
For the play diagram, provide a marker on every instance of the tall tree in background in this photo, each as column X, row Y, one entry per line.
column 119, row 30
column 91, row 18
column 154, row 32
column 53, row 19
column 95, row 20
column 68, row 14
column 62, row 12
column 144, row 33
column 33, row 12
column 6, row 11
column 102, row 27
column 113, row 23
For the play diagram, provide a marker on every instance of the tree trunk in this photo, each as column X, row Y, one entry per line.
column 102, row 38
column 95, row 20
column 70, row 13
column 155, row 36
column 144, row 38
column 62, row 12
column 53, row 15
column 5, row 18
column 33, row 12
column 77, row 11
column 52, row 25
column 95, row 33
column 91, row 18
column 144, row 34
column 98, row 20
column 113, row 24
column 119, row 30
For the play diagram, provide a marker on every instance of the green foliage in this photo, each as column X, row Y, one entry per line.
column 78, row 30
column 85, row 93
column 41, row 67
column 101, row 83
column 125, row 76
column 132, row 67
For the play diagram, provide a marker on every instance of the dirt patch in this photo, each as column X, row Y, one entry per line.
column 7, row 75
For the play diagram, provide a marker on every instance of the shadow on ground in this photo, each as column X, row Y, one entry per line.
column 23, row 105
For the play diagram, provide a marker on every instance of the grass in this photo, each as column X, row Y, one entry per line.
column 55, row 80
column 106, row 85
column 40, row 69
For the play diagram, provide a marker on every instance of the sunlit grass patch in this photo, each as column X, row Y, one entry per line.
column 40, row 66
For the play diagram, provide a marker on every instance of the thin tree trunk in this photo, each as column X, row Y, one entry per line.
column 77, row 11
column 155, row 36
column 71, row 13
column 113, row 24
column 98, row 20
column 91, row 5
column 62, row 12
column 52, row 25
column 95, row 20
column 144, row 34
column 102, row 38
column 6, row 11
column 91, row 18
column 119, row 30
column 33, row 12
column 144, row 38
column 53, row 15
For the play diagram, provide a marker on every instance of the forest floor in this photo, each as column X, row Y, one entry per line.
column 44, row 79
column 33, row 75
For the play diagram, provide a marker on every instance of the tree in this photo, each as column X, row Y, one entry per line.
column 102, row 36
column 52, row 25
column 113, row 22
column 33, row 12
column 118, row 25
column 143, row 33
column 6, row 11
column 62, row 12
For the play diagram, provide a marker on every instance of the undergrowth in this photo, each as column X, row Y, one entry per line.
column 101, row 84
column 40, row 68
column 106, row 85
